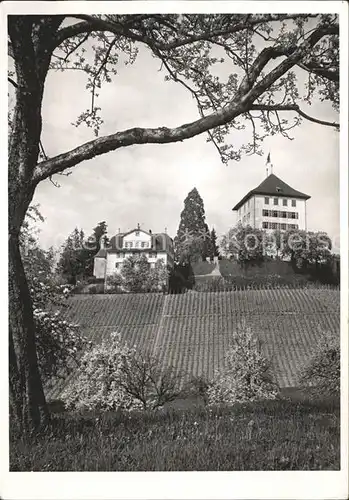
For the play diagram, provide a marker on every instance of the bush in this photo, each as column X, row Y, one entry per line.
column 113, row 376
column 203, row 267
column 246, row 373
column 220, row 284
column 322, row 373
column 96, row 289
column 58, row 342
column 137, row 276
column 150, row 384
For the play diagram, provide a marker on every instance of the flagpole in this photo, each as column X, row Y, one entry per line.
column 268, row 163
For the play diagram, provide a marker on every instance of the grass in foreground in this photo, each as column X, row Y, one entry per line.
column 275, row 435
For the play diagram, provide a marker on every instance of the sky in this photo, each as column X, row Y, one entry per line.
column 147, row 184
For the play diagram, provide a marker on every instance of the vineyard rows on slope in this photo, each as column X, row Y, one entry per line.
column 193, row 331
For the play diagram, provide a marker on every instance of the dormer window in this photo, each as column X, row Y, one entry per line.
column 278, row 189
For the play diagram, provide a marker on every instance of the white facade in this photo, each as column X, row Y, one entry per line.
column 115, row 260
column 158, row 247
column 273, row 212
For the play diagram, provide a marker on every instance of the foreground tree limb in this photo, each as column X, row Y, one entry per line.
column 293, row 107
column 162, row 135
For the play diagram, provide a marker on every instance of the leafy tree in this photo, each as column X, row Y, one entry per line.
column 73, row 264
column 273, row 243
column 215, row 248
column 158, row 277
column 306, row 249
column 114, row 376
column 208, row 249
column 246, row 374
column 229, row 245
column 136, row 275
column 149, row 383
column 77, row 257
column 244, row 243
column 93, row 244
column 58, row 342
column 181, row 278
column 189, row 48
column 193, row 237
column 100, row 234
column 322, row 372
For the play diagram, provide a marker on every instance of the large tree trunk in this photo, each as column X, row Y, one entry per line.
column 31, row 42
column 27, row 401
column 28, row 409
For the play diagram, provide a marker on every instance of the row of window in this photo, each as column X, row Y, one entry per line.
column 278, row 213
column 280, row 226
column 276, row 201
column 150, row 255
column 136, row 244
column 267, row 201
column 150, row 264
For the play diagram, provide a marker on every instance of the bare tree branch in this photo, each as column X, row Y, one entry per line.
column 292, row 107
column 12, row 82
column 98, row 72
column 328, row 73
column 162, row 135
column 293, row 59
column 260, row 62
column 91, row 23
column 82, row 41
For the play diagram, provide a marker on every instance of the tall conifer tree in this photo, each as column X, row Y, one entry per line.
column 215, row 248
column 93, row 244
column 193, row 237
column 71, row 264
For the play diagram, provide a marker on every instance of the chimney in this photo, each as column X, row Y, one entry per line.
column 150, row 231
column 119, row 231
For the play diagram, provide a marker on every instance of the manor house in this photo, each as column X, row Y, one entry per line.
column 273, row 205
column 155, row 247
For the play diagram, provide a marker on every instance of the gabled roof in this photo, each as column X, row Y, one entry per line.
column 273, row 186
column 136, row 229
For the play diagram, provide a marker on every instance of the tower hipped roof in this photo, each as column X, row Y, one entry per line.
column 273, row 186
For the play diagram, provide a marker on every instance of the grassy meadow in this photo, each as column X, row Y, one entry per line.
column 273, row 435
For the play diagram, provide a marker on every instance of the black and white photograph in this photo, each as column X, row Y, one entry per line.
column 177, row 213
